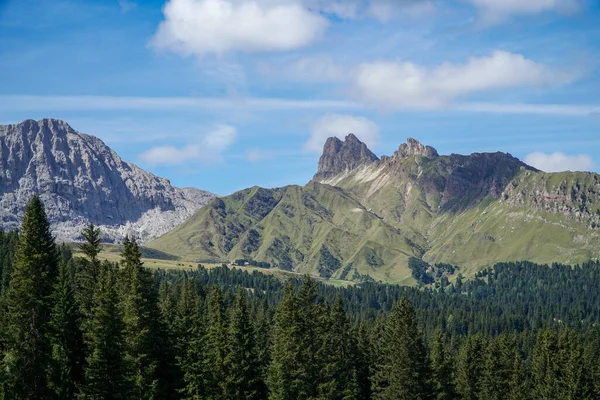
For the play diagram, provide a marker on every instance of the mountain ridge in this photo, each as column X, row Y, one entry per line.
column 80, row 179
column 371, row 215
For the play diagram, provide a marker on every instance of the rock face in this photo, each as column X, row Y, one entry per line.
column 341, row 156
column 80, row 179
column 413, row 147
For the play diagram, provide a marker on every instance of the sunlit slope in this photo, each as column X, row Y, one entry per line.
column 317, row 229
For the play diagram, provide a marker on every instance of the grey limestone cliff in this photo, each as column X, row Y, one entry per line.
column 80, row 179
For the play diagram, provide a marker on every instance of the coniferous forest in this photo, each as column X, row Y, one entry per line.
column 79, row 327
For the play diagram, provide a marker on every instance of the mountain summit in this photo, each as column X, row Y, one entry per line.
column 343, row 156
column 81, row 180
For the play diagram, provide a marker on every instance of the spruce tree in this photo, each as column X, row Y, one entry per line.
column 67, row 340
column 93, row 242
column 241, row 362
column 190, row 347
column 470, row 367
column 284, row 379
column 517, row 389
column 262, row 327
column 498, row 364
column 106, row 374
column 169, row 373
column 403, row 370
column 442, row 368
column 570, row 368
column 545, row 369
column 29, row 301
column 140, row 317
column 313, row 324
column 88, row 270
column 591, row 364
column 338, row 378
column 216, row 347
column 364, row 361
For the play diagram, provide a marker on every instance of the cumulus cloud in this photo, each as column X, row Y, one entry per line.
column 199, row 27
column 557, row 162
column 210, row 148
column 494, row 11
column 395, row 85
column 340, row 125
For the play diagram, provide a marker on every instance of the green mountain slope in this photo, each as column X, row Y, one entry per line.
column 365, row 216
column 316, row 228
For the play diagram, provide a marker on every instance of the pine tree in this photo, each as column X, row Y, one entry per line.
column 470, row 367
column 262, row 327
column 190, row 347
column 241, row 361
column 403, row 371
column 313, row 323
column 88, row 270
column 441, row 365
column 93, row 242
column 517, row 390
column 339, row 375
column 498, row 364
column 105, row 371
column 284, row 379
column 67, row 340
column 216, row 344
column 545, row 369
column 591, row 363
column 169, row 373
column 570, row 368
column 140, row 317
column 29, row 299
column 363, row 363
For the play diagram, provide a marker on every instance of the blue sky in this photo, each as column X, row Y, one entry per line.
column 226, row 94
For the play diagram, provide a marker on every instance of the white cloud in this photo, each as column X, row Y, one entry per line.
column 557, row 162
column 220, row 138
column 494, row 11
column 169, row 155
column 210, row 148
column 341, row 125
column 199, row 27
column 395, row 85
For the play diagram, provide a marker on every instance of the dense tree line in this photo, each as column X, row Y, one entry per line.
column 85, row 328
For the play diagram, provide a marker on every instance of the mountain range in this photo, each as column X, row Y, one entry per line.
column 362, row 215
column 81, row 180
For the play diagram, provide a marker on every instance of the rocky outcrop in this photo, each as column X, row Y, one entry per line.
column 413, row 147
column 80, row 179
column 343, row 156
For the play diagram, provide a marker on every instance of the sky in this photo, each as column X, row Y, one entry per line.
column 227, row 94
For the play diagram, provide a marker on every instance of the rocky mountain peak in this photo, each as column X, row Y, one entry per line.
column 81, row 180
column 341, row 156
column 413, row 147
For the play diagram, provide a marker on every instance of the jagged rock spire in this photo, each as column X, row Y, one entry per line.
column 341, row 156
column 414, row 147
